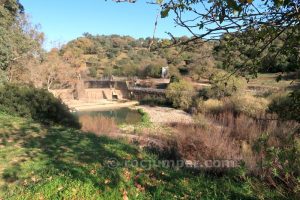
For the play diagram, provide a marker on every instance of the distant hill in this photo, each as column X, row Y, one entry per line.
column 100, row 55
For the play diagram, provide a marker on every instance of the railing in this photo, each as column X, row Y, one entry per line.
column 148, row 90
column 109, row 79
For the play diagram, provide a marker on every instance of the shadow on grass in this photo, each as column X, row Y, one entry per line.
column 80, row 156
column 72, row 155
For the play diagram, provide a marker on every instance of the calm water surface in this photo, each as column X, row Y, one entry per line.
column 122, row 115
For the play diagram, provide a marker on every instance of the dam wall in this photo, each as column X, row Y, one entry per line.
column 96, row 90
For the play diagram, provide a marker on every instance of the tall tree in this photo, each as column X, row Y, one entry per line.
column 53, row 72
column 19, row 40
column 264, row 20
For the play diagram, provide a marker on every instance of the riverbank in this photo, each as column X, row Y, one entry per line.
column 157, row 114
column 165, row 115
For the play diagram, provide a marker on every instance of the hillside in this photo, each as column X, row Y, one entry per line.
column 125, row 56
column 105, row 55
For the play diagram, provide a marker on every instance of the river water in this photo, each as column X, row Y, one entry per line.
column 121, row 115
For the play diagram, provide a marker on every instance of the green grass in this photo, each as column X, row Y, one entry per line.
column 38, row 162
column 268, row 80
column 145, row 120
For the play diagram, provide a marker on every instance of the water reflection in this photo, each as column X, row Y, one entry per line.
column 120, row 116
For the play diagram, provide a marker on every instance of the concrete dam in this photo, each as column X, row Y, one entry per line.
column 96, row 90
column 93, row 91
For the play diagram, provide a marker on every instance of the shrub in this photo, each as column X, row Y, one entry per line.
column 197, row 143
column 152, row 70
column 3, row 77
column 222, row 85
column 152, row 100
column 212, row 106
column 287, row 107
column 174, row 79
column 203, row 93
column 279, row 153
column 180, row 94
column 93, row 72
column 38, row 104
column 268, row 147
column 248, row 104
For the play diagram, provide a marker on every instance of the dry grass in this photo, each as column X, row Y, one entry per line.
column 242, row 127
column 246, row 104
column 195, row 142
column 227, row 136
column 246, row 131
column 99, row 125
column 269, row 81
column 212, row 106
column 227, row 130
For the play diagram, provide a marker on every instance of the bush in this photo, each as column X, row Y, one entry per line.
column 287, row 107
column 153, row 101
column 280, row 159
column 180, row 94
column 153, row 71
column 194, row 142
column 93, row 72
column 38, row 104
column 212, row 106
column 223, row 85
column 174, row 79
column 248, row 104
column 3, row 77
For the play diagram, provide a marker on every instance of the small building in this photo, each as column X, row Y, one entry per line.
column 164, row 72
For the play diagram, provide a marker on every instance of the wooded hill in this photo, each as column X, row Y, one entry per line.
column 22, row 58
column 125, row 56
column 101, row 55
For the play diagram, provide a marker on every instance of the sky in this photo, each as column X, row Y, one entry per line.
column 65, row 20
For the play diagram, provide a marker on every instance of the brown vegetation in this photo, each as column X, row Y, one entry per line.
column 225, row 136
column 245, row 104
column 194, row 143
column 99, row 125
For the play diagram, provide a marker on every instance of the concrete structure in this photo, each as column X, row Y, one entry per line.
column 93, row 91
column 164, row 72
column 107, row 89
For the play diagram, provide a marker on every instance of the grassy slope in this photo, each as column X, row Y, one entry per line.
column 269, row 80
column 57, row 163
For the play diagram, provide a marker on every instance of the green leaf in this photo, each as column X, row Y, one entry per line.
column 222, row 15
column 165, row 13
column 232, row 4
column 159, row 1
column 201, row 26
column 275, row 172
column 278, row 3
